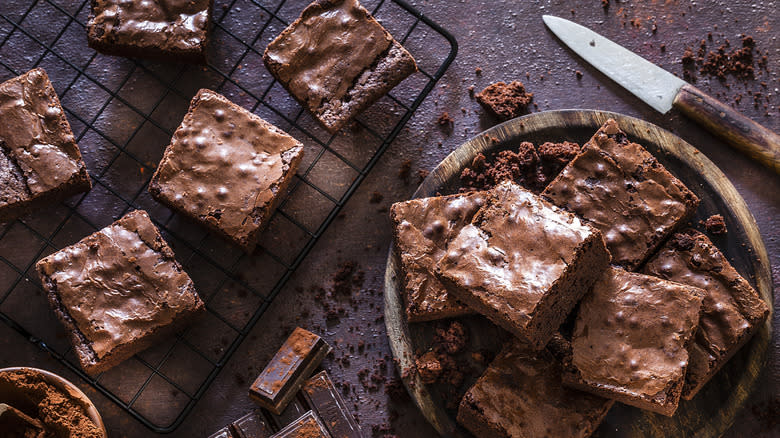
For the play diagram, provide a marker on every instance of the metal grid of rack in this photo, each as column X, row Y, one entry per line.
column 123, row 113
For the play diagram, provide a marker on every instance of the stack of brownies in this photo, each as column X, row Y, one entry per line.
column 527, row 262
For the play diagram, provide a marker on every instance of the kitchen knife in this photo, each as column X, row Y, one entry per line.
column 664, row 91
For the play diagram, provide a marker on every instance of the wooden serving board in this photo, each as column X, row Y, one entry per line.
column 713, row 410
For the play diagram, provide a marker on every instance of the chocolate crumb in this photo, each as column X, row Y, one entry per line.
column 376, row 198
column 404, row 170
column 445, row 119
column 505, row 101
column 716, row 224
column 428, row 367
column 452, row 339
column 421, row 175
column 578, row 74
column 526, row 165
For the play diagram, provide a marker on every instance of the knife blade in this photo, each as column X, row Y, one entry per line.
column 664, row 91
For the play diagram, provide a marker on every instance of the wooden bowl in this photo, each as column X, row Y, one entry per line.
column 713, row 410
column 66, row 387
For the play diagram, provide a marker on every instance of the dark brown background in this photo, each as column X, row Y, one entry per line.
column 506, row 40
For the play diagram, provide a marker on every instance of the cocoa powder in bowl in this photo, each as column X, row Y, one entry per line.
column 61, row 409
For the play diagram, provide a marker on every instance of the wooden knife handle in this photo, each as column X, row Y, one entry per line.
column 754, row 140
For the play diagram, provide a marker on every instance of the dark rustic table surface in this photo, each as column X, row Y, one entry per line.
column 499, row 41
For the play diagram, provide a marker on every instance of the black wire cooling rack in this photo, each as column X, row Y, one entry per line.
column 123, row 113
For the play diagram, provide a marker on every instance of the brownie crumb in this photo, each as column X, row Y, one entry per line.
column 445, row 119
column 716, row 224
column 578, row 74
column 505, row 101
column 478, row 71
column 737, row 62
column 421, row 175
column 452, row 339
column 428, row 367
column 376, row 198
column 723, row 61
column 689, row 65
column 605, row 4
column 526, row 165
column 346, row 278
column 405, row 170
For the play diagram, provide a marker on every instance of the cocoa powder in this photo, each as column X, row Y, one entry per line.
column 58, row 411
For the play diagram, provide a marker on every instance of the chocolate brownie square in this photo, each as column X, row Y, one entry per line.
column 620, row 188
column 630, row 339
column 422, row 228
column 226, row 168
column 523, row 263
column 118, row 291
column 336, row 60
column 168, row 30
column 732, row 311
column 521, row 395
column 40, row 162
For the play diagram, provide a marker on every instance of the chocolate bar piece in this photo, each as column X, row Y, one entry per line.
column 294, row 410
column 222, row 433
column 283, row 376
column 308, row 426
column 322, row 397
column 252, row 425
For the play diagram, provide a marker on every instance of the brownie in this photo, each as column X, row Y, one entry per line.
column 523, row 263
column 620, row 188
column 40, row 162
column 422, row 229
column 226, row 168
column 505, row 101
column 316, row 60
column 118, row 291
column 168, row 30
column 732, row 311
column 630, row 338
column 521, row 395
